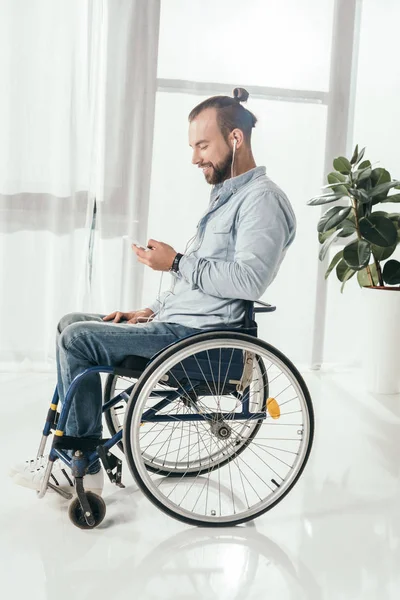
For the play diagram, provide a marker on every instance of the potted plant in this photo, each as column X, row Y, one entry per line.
column 355, row 189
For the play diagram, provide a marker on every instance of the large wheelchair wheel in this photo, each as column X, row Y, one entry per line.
column 257, row 390
column 272, row 425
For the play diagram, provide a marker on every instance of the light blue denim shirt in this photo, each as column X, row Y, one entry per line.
column 239, row 246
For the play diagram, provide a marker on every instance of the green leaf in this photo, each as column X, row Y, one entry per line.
column 383, row 253
column 361, row 210
column 364, row 196
column 378, row 230
column 336, row 180
column 380, row 175
column 357, row 254
column 395, row 217
column 355, row 155
column 360, row 194
column 391, row 272
column 363, row 277
column 380, row 213
column 351, row 217
column 365, row 184
column 336, row 177
column 332, row 218
column 341, row 269
column 333, row 263
column 349, row 274
column 343, row 272
column 383, row 189
column 342, row 165
column 360, row 155
column 364, row 165
column 361, row 176
column 324, row 199
column 325, row 246
column 364, row 174
column 392, row 198
column 332, row 187
column 322, row 237
column 348, row 228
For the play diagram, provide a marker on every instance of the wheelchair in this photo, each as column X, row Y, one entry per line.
column 216, row 429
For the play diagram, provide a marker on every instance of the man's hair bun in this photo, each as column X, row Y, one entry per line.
column 231, row 114
column 240, row 94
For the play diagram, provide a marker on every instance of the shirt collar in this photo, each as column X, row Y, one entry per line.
column 235, row 183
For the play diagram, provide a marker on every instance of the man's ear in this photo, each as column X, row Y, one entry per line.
column 236, row 136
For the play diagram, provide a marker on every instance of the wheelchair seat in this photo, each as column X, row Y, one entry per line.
column 133, row 365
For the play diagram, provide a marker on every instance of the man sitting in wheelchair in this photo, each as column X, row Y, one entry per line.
column 234, row 256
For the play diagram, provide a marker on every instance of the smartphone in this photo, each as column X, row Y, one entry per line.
column 138, row 245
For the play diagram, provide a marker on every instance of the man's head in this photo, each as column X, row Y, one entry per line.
column 219, row 125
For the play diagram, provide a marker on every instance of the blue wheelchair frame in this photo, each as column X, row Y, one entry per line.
column 95, row 448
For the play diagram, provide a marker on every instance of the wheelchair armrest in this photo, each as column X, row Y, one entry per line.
column 264, row 307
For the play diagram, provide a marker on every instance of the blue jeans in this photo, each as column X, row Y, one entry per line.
column 85, row 340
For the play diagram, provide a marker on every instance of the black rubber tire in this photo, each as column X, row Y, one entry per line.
column 97, row 506
column 154, row 365
column 166, row 473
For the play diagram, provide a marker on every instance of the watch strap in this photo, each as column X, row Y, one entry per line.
column 175, row 264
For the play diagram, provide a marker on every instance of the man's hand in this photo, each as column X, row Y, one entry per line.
column 159, row 258
column 133, row 317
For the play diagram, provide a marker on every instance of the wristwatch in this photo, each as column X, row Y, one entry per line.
column 175, row 265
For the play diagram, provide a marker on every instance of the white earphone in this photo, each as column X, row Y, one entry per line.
column 233, row 155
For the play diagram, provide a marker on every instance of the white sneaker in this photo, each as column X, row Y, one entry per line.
column 30, row 474
column 29, row 465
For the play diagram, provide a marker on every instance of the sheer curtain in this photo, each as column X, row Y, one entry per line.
column 76, row 116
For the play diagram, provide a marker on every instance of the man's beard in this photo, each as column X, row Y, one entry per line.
column 221, row 171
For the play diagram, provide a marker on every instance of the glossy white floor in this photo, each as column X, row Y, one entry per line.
column 336, row 535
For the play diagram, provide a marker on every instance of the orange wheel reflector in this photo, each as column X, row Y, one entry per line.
column 273, row 408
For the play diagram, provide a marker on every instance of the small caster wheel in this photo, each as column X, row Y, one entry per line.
column 98, row 508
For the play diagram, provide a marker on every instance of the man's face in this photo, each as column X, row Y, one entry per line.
column 211, row 153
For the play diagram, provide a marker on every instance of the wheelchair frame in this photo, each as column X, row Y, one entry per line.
column 100, row 449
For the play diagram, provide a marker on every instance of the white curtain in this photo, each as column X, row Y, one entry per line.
column 76, row 121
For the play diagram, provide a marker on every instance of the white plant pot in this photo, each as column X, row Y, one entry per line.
column 381, row 349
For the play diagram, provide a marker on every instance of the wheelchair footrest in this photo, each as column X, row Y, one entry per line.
column 112, row 465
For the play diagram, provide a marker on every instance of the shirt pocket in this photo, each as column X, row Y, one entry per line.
column 217, row 239
column 221, row 228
